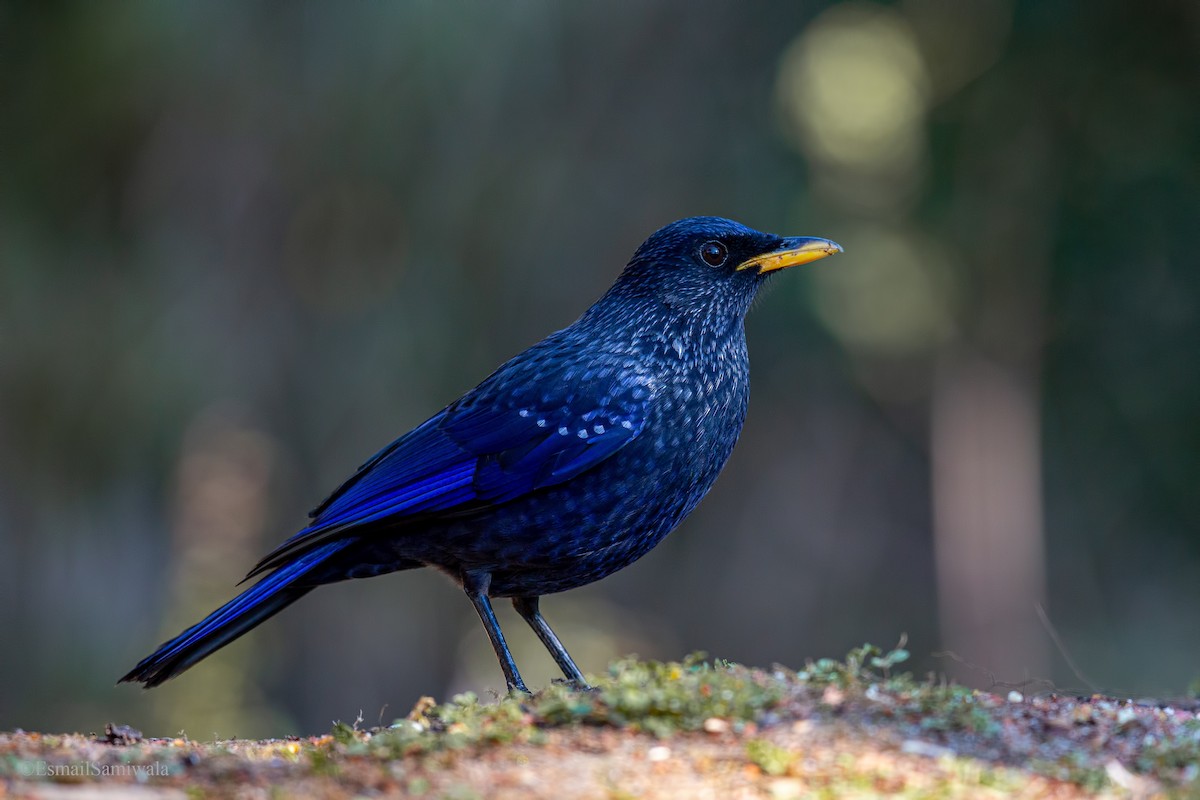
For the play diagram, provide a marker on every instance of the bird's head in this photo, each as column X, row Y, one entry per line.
column 710, row 265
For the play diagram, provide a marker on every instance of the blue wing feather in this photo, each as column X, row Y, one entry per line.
column 477, row 454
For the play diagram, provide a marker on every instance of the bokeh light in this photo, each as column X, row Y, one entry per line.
column 854, row 89
column 893, row 295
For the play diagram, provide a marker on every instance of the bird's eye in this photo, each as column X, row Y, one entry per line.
column 714, row 253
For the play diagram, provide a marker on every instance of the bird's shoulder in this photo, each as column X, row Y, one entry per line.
column 527, row 427
column 561, row 374
column 543, row 416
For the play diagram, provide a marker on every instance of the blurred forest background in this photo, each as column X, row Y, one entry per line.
column 243, row 245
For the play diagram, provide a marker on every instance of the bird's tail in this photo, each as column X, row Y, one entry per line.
column 260, row 602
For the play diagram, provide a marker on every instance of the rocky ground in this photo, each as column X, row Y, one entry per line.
column 694, row 729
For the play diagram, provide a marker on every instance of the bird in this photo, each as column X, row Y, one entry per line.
column 569, row 462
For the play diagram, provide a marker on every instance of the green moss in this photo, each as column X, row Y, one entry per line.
column 321, row 761
column 769, row 757
column 863, row 665
column 343, row 733
column 950, row 709
column 1074, row 768
column 661, row 698
column 665, row 698
column 937, row 707
column 1177, row 758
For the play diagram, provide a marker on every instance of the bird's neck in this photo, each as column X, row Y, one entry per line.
column 653, row 323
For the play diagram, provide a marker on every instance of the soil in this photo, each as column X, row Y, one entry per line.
column 835, row 730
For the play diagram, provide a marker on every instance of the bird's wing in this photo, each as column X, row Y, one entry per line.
column 496, row 444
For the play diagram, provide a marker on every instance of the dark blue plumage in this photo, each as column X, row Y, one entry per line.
column 566, row 464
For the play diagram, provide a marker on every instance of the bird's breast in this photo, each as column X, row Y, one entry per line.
column 700, row 405
column 693, row 396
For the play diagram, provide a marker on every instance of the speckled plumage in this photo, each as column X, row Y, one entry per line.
column 569, row 462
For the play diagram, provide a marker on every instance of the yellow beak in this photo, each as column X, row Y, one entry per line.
column 796, row 251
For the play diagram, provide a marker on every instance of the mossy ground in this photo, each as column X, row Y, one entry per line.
column 696, row 728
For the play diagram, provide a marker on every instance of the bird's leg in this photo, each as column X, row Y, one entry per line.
column 527, row 607
column 476, row 586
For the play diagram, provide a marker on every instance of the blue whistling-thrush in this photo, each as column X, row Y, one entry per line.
column 566, row 464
